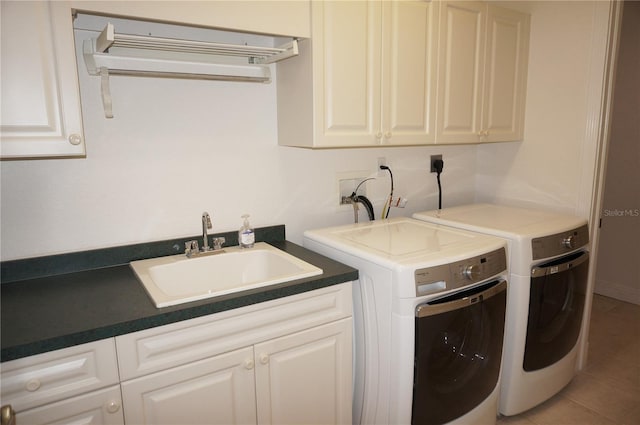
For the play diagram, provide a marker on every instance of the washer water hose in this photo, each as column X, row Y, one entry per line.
column 367, row 206
column 355, row 199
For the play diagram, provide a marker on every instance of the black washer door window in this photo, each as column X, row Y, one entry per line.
column 556, row 306
column 458, row 353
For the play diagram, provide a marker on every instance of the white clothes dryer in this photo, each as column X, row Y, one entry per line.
column 429, row 311
column 548, row 266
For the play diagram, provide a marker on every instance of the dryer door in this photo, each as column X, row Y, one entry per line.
column 556, row 305
column 458, row 348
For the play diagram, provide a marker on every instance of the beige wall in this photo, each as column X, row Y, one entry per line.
column 546, row 168
column 617, row 272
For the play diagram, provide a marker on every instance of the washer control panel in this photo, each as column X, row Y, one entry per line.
column 444, row 277
column 559, row 243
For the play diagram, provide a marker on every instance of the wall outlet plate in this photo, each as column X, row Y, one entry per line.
column 433, row 158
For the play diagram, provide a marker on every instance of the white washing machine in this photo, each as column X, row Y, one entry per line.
column 429, row 311
column 548, row 265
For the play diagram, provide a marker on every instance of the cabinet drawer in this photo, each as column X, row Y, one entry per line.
column 156, row 349
column 102, row 407
column 48, row 377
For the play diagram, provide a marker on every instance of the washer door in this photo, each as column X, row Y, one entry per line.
column 556, row 305
column 458, row 348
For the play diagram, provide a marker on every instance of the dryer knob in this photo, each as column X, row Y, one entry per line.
column 569, row 242
column 472, row 272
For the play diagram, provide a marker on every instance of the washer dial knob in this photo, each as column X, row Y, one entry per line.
column 472, row 272
column 569, row 242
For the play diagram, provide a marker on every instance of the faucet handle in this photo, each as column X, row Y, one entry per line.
column 191, row 247
column 218, row 242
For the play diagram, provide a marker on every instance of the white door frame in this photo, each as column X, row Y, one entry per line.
column 604, row 53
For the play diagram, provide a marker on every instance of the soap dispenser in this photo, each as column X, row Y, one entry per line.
column 246, row 236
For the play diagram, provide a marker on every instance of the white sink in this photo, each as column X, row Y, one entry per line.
column 177, row 279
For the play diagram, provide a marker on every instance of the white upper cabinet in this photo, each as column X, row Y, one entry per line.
column 394, row 73
column 482, row 73
column 409, row 69
column 505, row 85
column 41, row 113
column 461, row 71
column 364, row 79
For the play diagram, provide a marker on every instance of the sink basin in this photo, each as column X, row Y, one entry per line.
column 177, row 279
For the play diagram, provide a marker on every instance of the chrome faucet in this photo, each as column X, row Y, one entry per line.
column 206, row 224
column 191, row 247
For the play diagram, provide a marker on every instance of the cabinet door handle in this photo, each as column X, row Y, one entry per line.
column 264, row 358
column 8, row 415
column 248, row 364
column 379, row 135
column 113, row 406
column 387, row 135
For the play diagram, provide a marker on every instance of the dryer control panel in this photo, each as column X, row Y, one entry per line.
column 560, row 243
column 465, row 272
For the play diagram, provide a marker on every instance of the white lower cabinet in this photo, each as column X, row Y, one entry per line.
column 218, row 390
column 101, row 407
column 286, row 361
column 297, row 379
column 75, row 385
column 306, row 377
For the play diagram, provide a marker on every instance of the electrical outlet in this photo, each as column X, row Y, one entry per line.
column 433, row 158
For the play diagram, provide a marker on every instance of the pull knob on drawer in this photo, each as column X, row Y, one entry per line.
column 33, row 385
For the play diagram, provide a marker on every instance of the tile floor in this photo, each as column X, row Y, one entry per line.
column 607, row 391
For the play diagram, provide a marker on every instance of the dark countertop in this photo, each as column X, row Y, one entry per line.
column 48, row 313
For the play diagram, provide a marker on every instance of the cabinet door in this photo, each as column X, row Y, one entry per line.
column 460, row 73
column 218, row 390
column 41, row 114
column 97, row 408
column 409, row 58
column 306, row 377
column 346, row 37
column 505, row 74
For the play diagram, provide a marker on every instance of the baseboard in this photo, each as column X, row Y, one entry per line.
column 618, row 291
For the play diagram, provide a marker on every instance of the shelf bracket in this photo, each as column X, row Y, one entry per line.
column 105, row 90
